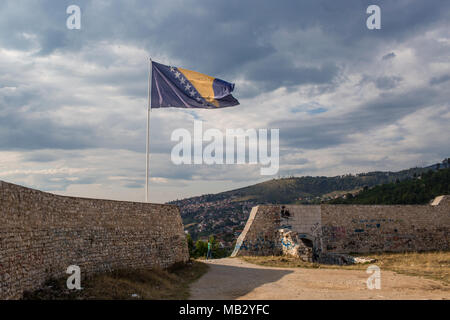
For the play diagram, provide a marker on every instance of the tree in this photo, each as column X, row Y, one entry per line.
column 190, row 244
column 201, row 248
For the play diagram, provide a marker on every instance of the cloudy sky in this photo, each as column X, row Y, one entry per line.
column 346, row 99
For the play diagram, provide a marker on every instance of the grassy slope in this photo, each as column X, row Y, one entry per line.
column 171, row 284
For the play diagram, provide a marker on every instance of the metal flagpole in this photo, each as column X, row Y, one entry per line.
column 148, row 130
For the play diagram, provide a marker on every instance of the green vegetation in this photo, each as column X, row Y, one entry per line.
column 418, row 190
column 170, row 284
column 200, row 248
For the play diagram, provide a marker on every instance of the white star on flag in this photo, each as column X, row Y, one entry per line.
column 177, row 75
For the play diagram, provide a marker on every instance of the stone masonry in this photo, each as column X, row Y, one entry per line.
column 339, row 229
column 41, row 234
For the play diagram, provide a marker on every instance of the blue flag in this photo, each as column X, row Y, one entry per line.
column 181, row 88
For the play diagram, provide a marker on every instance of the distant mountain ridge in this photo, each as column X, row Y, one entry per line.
column 225, row 214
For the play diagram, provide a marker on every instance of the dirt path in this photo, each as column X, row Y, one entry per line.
column 235, row 279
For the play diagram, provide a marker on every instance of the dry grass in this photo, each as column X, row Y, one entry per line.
column 171, row 284
column 432, row 265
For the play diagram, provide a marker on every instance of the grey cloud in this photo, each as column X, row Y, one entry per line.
column 52, row 182
column 327, row 131
column 19, row 132
column 386, row 83
column 236, row 39
column 274, row 74
column 439, row 80
column 382, row 82
column 50, row 155
column 27, row 123
column 41, row 157
column 389, row 56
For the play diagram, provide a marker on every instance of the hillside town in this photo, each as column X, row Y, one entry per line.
column 224, row 218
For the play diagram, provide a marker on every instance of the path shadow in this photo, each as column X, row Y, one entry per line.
column 231, row 282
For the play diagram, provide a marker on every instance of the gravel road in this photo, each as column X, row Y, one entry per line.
column 232, row 278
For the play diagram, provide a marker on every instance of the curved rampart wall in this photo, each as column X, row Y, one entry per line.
column 41, row 234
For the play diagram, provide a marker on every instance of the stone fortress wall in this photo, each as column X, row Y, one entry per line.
column 42, row 234
column 342, row 229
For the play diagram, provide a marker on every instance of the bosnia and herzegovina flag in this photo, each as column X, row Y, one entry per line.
column 181, row 88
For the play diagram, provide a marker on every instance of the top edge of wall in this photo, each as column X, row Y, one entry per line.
column 439, row 200
column 4, row 183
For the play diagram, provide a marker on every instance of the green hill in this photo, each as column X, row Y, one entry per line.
column 312, row 189
column 308, row 190
column 418, row 190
